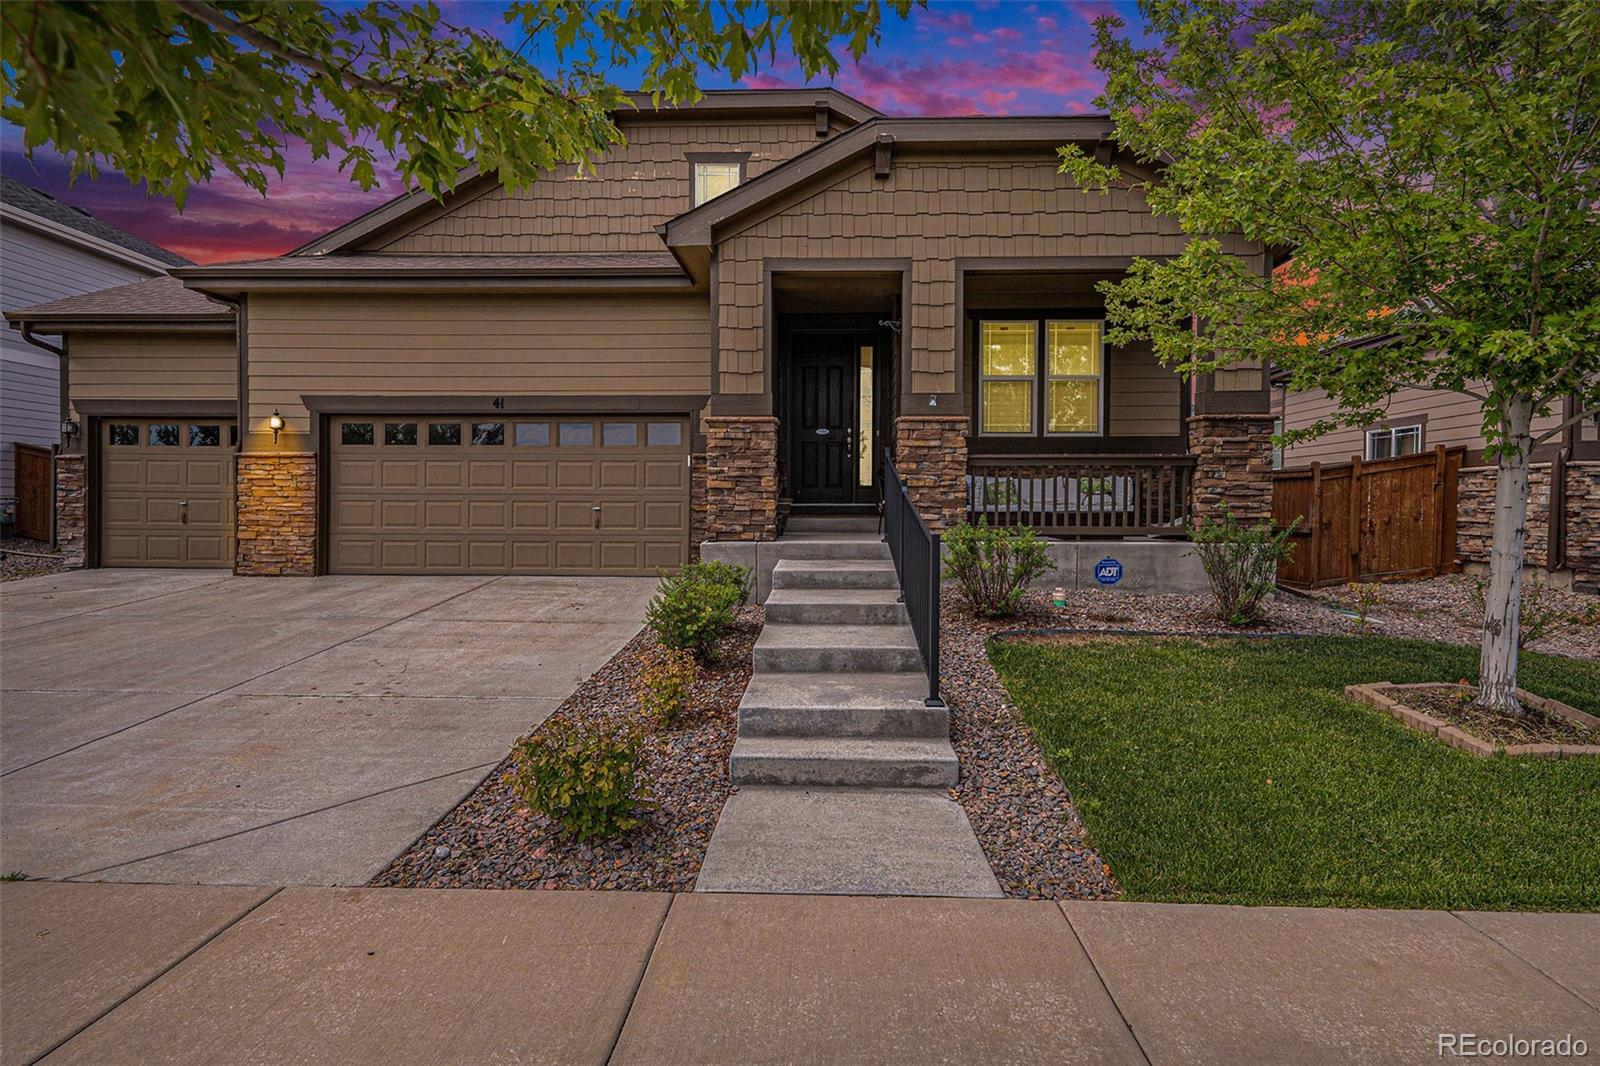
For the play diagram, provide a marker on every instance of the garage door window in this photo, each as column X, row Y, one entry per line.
column 577, row 434
column 164, row 434
column 355, row 433
column 533, row 434
column 489, row 433
column 401, row 433
column 620, row 435
column 125, row 436
column 664, row 434
column 205, row 436
column 444, row 433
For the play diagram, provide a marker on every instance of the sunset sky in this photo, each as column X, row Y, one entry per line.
column 1000, row 57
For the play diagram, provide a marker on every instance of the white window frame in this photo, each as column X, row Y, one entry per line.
column 1032, row 379
column 700, row 166
column 1047, row 377
column 1392, row 434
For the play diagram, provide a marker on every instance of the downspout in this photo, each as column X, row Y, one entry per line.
column 60, row 352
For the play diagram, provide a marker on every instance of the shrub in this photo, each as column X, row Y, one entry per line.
column 691, row 614
column 731, row 574
column 583, row 778
column 1364, row 597
column 993, row 566
column 1241, row 563
column 666, row 686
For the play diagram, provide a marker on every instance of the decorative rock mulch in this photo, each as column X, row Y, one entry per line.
column 1441, row 609
column 492, row 841
column 14, row 567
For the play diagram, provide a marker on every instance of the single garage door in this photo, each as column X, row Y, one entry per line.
column 166, row 492
column 425, row 494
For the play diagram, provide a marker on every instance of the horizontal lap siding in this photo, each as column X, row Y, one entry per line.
column 1452, row 419
column 932, row 212
column 152, row 366
column 1146, row 398
column 468, row 346
column 613, row 208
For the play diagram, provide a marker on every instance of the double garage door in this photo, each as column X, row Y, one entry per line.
column 431, row 494
column 166, row 491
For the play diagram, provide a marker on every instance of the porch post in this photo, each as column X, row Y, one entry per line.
column 1230, row 436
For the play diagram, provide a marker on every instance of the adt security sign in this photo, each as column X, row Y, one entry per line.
column 1108, row 571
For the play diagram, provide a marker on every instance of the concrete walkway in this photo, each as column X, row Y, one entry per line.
column 192, row 726
column 156, row 974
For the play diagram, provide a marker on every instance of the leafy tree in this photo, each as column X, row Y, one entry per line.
column 168, row 90
column 1433, row 169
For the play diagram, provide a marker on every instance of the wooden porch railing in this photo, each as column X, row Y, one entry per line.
column 1102, row 495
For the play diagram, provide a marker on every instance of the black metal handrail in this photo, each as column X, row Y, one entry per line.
column 915, row 550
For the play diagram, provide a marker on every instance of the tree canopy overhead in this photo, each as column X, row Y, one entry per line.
column 168, row 91
column 1432, row 167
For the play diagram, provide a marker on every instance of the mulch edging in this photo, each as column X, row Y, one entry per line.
column 14, row 567
column 1552, row 730
column 492, row 841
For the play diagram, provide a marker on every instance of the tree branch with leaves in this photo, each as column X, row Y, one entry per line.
column 1432, row 167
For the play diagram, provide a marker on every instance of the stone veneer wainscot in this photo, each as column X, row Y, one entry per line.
column 930, row 452
column 741, row 479
column 72, row 531
column 277, row 531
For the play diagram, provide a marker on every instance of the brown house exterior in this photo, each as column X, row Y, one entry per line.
column 1564, row 483
column 596, row 375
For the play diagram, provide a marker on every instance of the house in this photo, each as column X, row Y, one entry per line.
column 50, row 251
column 1563, row 526
column 722, row 324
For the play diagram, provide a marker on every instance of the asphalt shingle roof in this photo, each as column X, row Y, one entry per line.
column 163, row 297
column 38, row 202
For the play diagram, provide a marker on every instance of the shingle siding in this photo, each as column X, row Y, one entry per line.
column 613, row 208
column 931, row 211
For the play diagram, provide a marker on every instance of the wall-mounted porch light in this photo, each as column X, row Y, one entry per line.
column 275, row 423
column 69, row 429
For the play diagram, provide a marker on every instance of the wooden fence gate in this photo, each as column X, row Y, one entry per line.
column 1362, row 521
column 34, row 485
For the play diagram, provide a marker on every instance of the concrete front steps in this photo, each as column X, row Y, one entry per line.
column 840, row 766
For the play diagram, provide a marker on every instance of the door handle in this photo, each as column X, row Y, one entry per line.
column 596, row 510
column 183, row 512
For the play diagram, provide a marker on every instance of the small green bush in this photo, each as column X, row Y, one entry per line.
column 1241, row 563
column 691, row 614
column 731, row 574
column 993, row 566
column 586, row 779
column 666, row 686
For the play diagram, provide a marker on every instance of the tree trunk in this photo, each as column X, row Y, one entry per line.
column 1502, row 614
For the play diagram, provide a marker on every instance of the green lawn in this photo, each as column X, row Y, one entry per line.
column 1236, row 771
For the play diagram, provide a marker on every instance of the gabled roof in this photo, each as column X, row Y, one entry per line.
column 588, row 270
column 154, row 301
column 715, row 103
column 694, row 228
column 57, row 215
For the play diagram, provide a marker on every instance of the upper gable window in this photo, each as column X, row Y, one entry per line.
column 712, row 179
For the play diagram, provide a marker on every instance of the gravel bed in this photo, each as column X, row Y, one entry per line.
column 16, row 567
column 1441, row 609
column 492, row 841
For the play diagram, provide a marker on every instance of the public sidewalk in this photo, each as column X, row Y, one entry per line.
column 126, row 973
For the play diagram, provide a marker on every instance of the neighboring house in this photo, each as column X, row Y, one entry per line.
column 1563, row 511
column 727, row 321
column 49, row 250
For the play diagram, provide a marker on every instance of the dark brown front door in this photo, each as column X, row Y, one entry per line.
column 821, row 450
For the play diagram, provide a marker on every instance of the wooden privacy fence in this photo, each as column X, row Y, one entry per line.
column 1362, row 521
column 31, row 474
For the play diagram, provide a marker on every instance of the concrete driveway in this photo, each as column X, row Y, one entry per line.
column 182, row 726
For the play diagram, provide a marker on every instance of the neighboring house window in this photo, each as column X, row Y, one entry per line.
column 1041, row 375
column 713, row 179
column 1398, row 440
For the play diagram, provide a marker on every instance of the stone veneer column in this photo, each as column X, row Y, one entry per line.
column 930, row 452
column 277, row 507
column 741, row 477
column 699, row 509
column 1233, row 466
column 72, row 524
column 1583, row 524
column 1475, row 515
